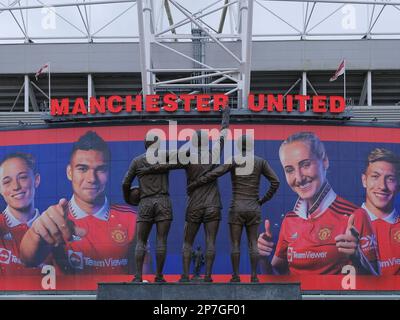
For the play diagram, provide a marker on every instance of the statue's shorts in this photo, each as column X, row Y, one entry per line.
column 204, row 215
column 154, row 209
column 247, row 218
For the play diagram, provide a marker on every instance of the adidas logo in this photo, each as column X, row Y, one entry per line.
column 294, row 236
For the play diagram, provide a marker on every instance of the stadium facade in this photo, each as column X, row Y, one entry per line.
column 174, row 48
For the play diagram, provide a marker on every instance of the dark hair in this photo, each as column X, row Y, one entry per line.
column 381, row 154
column 92, row 141
column 27, row 157
column 316, row 146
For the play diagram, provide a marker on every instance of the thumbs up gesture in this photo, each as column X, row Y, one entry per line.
column 347, row 243
column 54, row 226
column 264, row 242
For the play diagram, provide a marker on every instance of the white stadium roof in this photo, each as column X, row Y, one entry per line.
column 52, row 21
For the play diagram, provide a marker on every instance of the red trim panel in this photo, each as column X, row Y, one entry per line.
column 138, row 132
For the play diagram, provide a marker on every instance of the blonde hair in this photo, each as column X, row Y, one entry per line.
column 316, row 146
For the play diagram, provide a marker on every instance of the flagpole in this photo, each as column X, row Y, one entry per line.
column 344, row 82
column 49, row 87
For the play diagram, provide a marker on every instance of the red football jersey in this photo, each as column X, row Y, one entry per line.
column 388, row 235
column 11, row 234
column 308, row 244
column 108, row 246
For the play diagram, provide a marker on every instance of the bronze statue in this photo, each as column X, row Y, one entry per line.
column 204, row 205
column 198, row 262
column 245, row 209
column 154, row 208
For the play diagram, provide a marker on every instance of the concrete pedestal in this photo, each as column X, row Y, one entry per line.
column 198, row 291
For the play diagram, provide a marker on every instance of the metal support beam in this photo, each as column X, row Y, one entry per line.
column 112, row 20
column 90, row 87
column 325, row 18
column 312, row 87
column 202, row 76
column 40, row 90
column 191, row 18
column 17, row 97
column 223, row 17
column 369, row 91
column 146, row 38
column 278, row 17
column 23, row 30
column 90, row 3
column 304, row 83
column 197, row 14
column 364, row 90
column 196, row 85
column 85, row 23
column 233, row 19
column 307, row 20
column 215, row 28
column 230, row 80
column 32, row 98
column 188, row 14
column 246, row 30
column 371, row 2
column 65, row 4
column 292, row 86
column 169, row 16
column 26, row 93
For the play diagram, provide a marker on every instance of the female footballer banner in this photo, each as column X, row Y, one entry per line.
column 65, row 224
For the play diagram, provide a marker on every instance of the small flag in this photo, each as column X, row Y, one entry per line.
column 42, row 70
column 339, row 71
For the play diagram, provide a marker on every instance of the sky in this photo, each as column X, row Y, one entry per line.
column 66, row 22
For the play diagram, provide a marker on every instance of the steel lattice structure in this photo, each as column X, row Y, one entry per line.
column 159, row 24
column 271, row 17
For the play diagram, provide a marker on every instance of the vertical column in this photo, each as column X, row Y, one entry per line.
column 369, row 90
column 246, row 30
column 304, row 85
column 90, row 90
column 26, row 93
column 145, row 39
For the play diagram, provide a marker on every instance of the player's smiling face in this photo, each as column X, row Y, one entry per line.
column 381, row 184
column 88, row 172
column 17, row 184
column 305, row 174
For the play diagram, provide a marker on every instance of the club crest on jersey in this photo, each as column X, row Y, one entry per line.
column 324, row 234
column 119, row 236
column 396, row 236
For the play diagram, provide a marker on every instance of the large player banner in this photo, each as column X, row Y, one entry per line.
column 38, row 171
